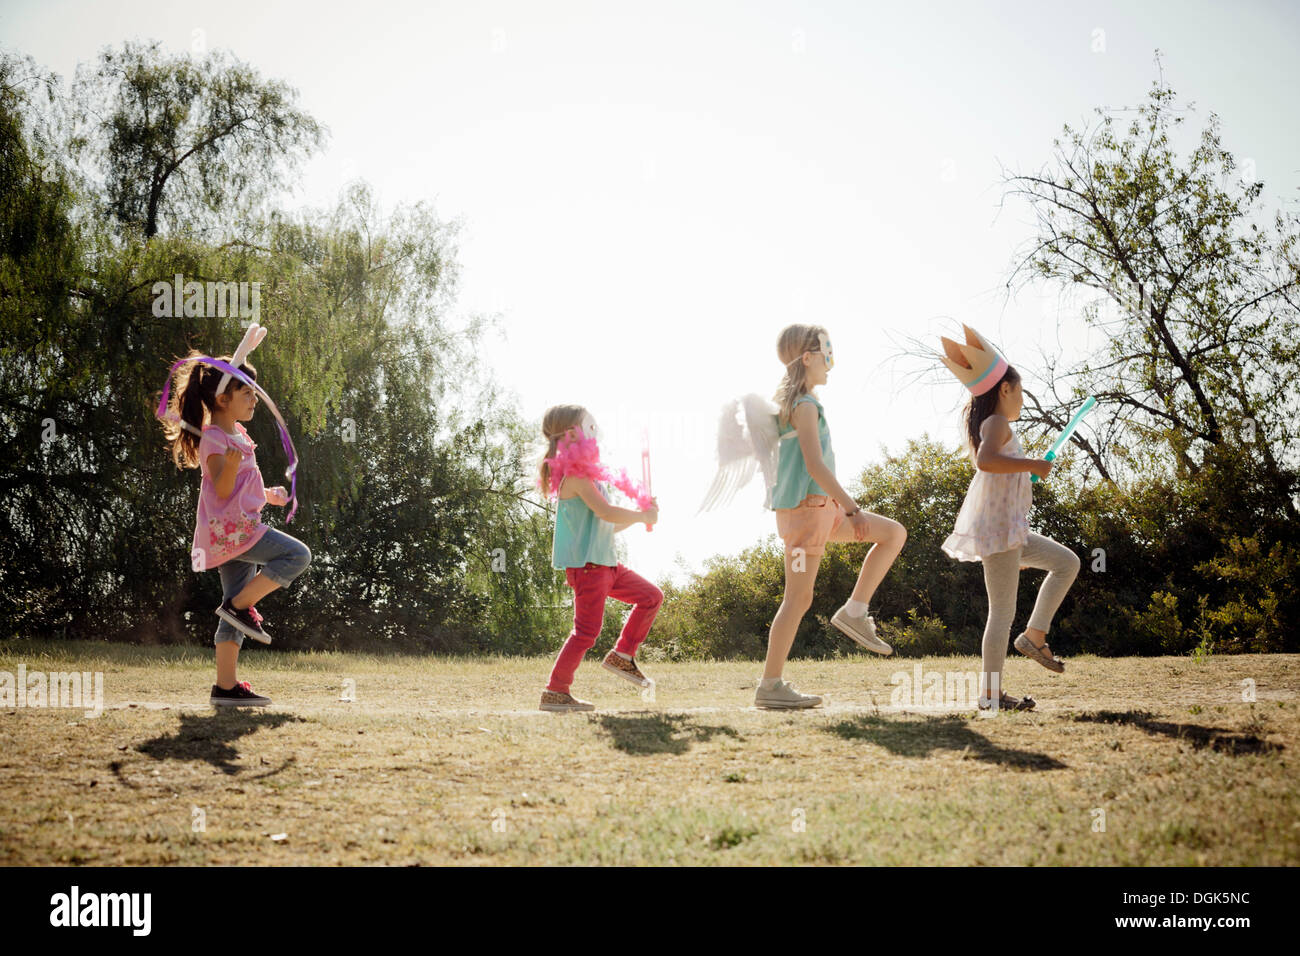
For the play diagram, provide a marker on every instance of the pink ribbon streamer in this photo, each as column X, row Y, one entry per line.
column 645, row 466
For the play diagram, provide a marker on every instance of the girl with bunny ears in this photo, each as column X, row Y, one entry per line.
column 213, row 395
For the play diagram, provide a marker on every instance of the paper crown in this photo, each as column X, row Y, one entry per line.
column 976, row 364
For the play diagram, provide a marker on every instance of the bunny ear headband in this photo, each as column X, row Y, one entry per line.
column 252, row 338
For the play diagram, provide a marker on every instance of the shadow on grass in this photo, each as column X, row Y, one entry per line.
column 211, row 738
column 656, row 733
column 1218, row 739
column 912, row 738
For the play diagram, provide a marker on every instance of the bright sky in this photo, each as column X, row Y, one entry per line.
column 650, row 191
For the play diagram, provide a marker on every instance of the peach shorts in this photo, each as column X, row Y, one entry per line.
column 810, row 524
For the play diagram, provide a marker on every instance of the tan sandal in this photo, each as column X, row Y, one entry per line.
column 1042, row 654
column 1007, row 702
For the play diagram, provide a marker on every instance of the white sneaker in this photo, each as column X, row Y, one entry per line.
column 784, row 697
column 862, row 630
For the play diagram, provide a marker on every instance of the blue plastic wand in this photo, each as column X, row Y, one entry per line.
column 1069, row 430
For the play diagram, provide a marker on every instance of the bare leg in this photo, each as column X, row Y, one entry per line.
column 235, row 576
column 800, row 576
column 227, row 658
column 253, row 592
column 890, row 536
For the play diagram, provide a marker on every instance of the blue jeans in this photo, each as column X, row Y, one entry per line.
column 282, row 556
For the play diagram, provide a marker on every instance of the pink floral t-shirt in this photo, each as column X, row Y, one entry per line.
column 225, row 529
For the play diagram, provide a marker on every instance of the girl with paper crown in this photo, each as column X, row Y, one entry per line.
column 791, row 442
column 213, row 395
column 585, row 525
column 993, row 524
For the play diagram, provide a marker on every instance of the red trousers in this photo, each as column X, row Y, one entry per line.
column 591, row 585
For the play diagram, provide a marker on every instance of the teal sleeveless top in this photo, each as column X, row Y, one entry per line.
column 580, row 536
column 793, row 483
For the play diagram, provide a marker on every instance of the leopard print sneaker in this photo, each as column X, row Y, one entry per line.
column 557, row 702
column 625, row 669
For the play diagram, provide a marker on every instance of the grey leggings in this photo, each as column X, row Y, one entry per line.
column 1002, row 579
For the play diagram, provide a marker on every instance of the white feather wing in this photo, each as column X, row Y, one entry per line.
column 760, row 420
column 747, row 442
column 736, row 464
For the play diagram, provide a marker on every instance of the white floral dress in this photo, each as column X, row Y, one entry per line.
column 995, row 515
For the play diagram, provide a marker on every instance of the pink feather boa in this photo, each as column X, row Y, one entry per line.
column 581, row 459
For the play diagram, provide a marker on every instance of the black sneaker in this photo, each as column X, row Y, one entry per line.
column 245, row 621
column 241, row 695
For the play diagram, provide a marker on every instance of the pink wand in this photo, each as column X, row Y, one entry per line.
column 645, row 466
column 581, row 458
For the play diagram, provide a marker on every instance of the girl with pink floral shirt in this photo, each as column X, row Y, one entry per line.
column 252, row 558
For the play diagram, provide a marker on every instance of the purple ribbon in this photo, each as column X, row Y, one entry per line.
column 292, row 471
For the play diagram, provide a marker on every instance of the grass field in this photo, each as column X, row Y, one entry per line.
column 446, row 761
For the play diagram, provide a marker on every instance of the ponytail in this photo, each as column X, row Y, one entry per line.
column 793, row 341
column 194, row 400
column 556, row 422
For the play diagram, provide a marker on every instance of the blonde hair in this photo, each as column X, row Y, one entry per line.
column 793, row 341
column 556, row 422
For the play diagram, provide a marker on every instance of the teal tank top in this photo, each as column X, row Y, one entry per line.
column 580, row 536
column 793, row 483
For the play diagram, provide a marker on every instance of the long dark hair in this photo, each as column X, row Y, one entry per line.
column 195, row 398
column 980, row 407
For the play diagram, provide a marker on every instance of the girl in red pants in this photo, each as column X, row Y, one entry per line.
column 585, row 524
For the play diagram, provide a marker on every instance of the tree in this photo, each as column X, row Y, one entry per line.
column 1204, row 354
column 410, row 457
column 181, row 141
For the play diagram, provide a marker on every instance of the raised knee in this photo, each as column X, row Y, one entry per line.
column 892, row 534
column 300, row 561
